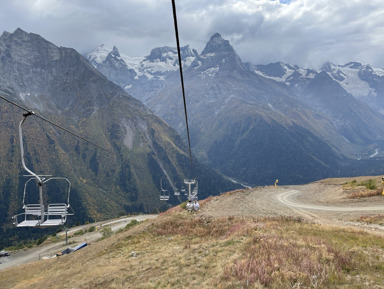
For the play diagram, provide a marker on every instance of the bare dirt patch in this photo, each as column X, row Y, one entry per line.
column 326, row 202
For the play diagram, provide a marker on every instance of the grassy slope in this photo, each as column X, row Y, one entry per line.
column 184, row 250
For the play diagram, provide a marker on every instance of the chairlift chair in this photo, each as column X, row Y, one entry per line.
column 196, row 189
column 35, row 214
column 164, row 194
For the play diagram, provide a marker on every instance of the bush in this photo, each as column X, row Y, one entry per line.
column 80, row 232
column 183, row 205
column 41, row 240
column 106, row 232
column 92, row 229
column 370, row 184
column 131, row 224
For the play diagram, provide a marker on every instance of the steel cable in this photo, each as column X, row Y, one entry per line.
column 182, row 81
column 56, row 125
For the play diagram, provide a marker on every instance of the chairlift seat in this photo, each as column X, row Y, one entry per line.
column 56, row 210
column 33, row 210
column 53, row 222
column 28, row 223
column 164, row 198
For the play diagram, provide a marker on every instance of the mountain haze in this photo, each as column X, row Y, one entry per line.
column 258, row 123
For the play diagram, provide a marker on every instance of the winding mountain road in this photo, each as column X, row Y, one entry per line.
column 286, row 199
column 323, row 202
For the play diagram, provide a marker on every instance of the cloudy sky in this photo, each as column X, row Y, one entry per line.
column 303, row 32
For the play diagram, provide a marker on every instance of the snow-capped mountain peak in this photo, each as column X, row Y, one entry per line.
column 282, row 72
column 98, row 55
column 351, row 77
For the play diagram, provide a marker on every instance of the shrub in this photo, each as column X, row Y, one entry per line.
column 80, row 232
column 132, row 224
column 106, row 232
column 41, row 240
column 92, row 229
column 369, row 184
column 183, row 205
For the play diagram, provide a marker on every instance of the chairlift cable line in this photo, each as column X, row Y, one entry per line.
column 31, row 112
column 182, row 81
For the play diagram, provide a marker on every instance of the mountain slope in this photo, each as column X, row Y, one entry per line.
column 61, row 85
column 317, row 122
column 224, row 96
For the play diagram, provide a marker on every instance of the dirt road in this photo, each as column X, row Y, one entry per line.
column 30, row 255
column 322, row 202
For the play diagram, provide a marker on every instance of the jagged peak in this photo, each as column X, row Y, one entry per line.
column 217, row 44
column 18, row 33
column 19, row 30
column 115, row 51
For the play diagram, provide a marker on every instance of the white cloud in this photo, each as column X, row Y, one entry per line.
column 304, row 32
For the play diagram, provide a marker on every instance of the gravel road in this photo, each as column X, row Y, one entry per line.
column 322, row 202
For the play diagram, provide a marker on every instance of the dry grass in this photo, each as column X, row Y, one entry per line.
column 363, row 188
column 183, row 250
column 375, row 219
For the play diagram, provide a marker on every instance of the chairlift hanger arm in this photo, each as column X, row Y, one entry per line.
column 38, row 178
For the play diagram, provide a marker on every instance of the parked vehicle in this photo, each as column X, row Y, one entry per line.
column 4, row 254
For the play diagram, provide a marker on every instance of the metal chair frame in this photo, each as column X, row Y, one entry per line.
column 35, row 214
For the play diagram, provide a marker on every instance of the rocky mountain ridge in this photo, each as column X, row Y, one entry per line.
column 315, row 111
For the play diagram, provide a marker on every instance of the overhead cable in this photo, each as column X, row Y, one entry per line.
column 182, row 80
column 56, row 125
